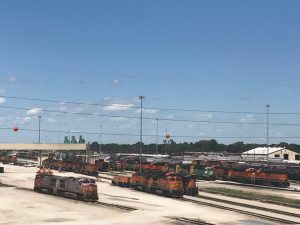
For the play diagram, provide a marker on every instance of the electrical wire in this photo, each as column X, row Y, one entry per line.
column 149, row 108
column 146, row 135
column 132, row 107
column 149, row 118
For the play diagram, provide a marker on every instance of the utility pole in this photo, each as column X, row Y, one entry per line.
column 40, row 138
column 141, row 97
column 100, row 141
column 268, row 106
column 156, row 147
column 166, row 141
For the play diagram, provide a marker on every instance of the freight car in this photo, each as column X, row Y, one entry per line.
column 70, row 187
column 263, row 176
column 168, row 184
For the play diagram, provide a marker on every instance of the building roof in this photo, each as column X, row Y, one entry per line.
column 42, row 147
column 263, row 150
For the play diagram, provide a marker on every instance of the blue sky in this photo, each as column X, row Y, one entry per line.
column 206, row 55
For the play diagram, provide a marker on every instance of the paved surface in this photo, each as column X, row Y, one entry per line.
column 23, row 206
column 281, row 193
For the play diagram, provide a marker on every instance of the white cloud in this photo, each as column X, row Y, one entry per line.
column 118, row 119
column 34, row 111
column 2, row 90
column 116, row 82
column 106, row 98
column 50, row 120
column 249, row 118
column 12, row 79
column 170, row 116
column 62, row 103
column 27, row 118
column 80, row 119
column 2, row 120
column 201, row 134
column 218, row 130
column 207, row 115
column 117, row 107
column 2, row 100
column 62, row 108
column 150, row 111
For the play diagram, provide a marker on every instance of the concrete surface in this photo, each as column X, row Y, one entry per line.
column 23, row 206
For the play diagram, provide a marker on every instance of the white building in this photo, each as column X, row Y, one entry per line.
column 262, row 153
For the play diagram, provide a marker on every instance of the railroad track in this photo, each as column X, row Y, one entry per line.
column 295, row 181
column 256, row 215
column 126, row 208
column 252, row 206
column 256, row 185
column 191, row 221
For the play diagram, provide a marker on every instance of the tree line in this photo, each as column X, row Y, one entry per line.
column 182, row 148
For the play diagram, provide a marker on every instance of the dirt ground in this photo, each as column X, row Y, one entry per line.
column 20, row 205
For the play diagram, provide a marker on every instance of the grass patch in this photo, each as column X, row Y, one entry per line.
column 253, row 196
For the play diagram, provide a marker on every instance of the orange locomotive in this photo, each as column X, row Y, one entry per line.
column 259, row 176
column 121, row 180
column 77, row 188
column 90, row 169
column 166, row 184
column 189, row 183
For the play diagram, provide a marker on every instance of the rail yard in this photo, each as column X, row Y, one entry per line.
column 123, row 205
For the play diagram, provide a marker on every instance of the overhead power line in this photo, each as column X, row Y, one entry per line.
column 133, row 107
column 149, row 108
column 150, row 118
column 146, row 135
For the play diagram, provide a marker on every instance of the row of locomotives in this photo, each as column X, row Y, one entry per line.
column 166, row 184
column 159, row 183
column 262, row 176
column 77, row 167
column 84, row 189
column 9, row 159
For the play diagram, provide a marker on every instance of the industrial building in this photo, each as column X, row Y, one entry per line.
column 263, row 153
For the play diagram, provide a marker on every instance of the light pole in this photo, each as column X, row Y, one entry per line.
column 156, row 147
column 100, row 141
column 268, row 106
column 40, row 139
column 141, row 97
